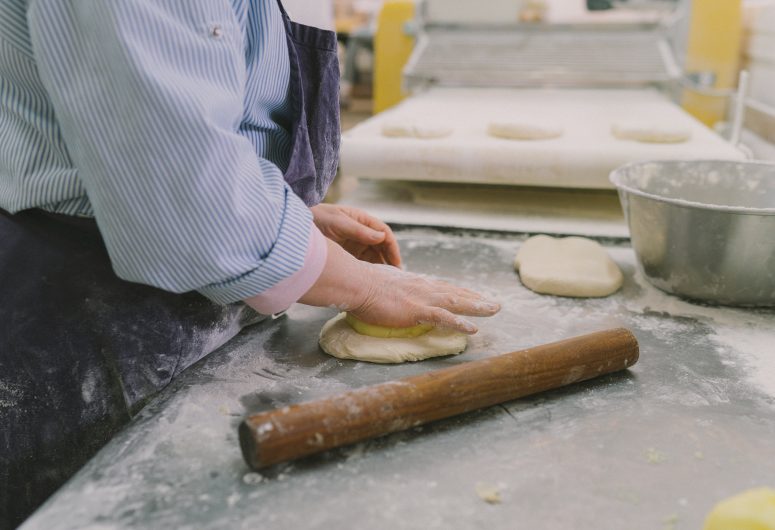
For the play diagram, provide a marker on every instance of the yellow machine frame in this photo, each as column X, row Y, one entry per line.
column 715, row 33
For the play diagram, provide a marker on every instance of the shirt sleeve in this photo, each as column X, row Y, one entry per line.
column 280, row 296
column 149, row 97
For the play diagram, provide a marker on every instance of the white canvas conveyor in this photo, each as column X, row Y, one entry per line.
column 582, row 157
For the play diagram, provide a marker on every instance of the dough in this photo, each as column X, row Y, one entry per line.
column 571, row 266
column 415, row 130
column 337, row 338
column 651, row 133
column 751, row 510
column 523, row 131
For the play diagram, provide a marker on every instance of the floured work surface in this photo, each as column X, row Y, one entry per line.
column 582, row 157
column 692, row 423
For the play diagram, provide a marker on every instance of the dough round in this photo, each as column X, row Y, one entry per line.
column 337, row 338
column 654, row 134
column 571, row 266
column 523, row 131
column 415, row 130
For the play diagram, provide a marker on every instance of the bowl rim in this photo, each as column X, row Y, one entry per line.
column 617, row 174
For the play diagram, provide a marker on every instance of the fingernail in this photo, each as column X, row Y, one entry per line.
column 487, row 307
column 376, row 236
column 468, row 327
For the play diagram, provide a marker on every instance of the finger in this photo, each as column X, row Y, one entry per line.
column 390, row 250
column 371, row 255
column 384, row 256
column 367, row 219
column 363, row 252
column 352, row 229
column 463, row 305
column 444, row 319
column 446, row 287
column 372, row 222
column 463, row 301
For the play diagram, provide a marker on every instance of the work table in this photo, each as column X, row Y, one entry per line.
column 654, row 447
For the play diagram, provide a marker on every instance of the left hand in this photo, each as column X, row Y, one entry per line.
column 365, row 237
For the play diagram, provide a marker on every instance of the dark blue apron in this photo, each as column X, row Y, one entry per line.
column 314, row 97
column 81, row 351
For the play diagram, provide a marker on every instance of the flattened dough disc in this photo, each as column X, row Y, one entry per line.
column 415, row 130
column 337, row 338
column 650, row 133
column 523, row 131
column 571, row 266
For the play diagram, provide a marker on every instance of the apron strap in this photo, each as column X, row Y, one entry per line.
column 282, row 9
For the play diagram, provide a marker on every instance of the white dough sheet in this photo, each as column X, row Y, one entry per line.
column 582, row 157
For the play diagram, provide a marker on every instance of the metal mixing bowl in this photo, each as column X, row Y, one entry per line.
column 703, row 229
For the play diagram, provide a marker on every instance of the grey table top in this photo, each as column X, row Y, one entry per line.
column 653, row 448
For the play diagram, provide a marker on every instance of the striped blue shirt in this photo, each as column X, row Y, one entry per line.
column 168, row 122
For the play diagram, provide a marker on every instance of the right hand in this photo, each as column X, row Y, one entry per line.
column 388, row 296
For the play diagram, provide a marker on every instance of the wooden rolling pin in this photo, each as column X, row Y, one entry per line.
column 299, row 430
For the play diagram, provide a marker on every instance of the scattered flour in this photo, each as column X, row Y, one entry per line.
column 740, row 335
column 252, row 478
column 233, row 499
column 9, row 395
column 653, row 456
column 88, row 387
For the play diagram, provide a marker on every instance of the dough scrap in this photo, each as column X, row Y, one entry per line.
column 523, row 131
column 571, row 266
column 750, row 510
column 654, row 456
column 651, row 133
column 489, row 494
column 415, row 130
column 337, row 338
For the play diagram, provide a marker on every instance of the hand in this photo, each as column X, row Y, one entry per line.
column 387, row 296
column 400, row 299
column 365, row 237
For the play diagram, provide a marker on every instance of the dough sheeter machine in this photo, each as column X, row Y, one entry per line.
column 582, row 76
column 653, row 448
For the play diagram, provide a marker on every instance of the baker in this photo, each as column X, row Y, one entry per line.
column 161, row 169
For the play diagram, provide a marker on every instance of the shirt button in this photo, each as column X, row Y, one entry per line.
column 216, row 31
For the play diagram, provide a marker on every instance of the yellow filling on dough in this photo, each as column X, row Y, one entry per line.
column 372, row 330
